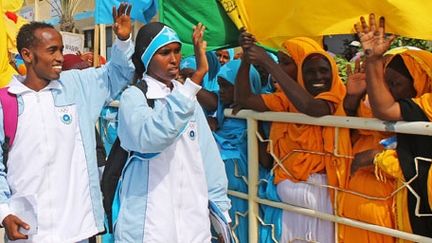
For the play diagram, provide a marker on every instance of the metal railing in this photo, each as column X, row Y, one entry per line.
column 252, row 117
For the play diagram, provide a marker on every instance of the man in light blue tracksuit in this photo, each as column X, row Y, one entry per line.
column 52, row 161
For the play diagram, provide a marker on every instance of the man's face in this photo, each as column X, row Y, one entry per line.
column 45, row 57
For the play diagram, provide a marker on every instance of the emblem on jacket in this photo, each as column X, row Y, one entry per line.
column 192, row 130
column 192, row 135
column 66, row 119
column 65, row 114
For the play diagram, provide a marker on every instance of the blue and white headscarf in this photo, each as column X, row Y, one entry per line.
column 188, row 62
column 164, row 37
column 210, row 81
column 231, row 53
column 229, row 73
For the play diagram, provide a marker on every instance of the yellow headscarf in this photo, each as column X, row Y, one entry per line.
column 297, row 48
column 419, row 65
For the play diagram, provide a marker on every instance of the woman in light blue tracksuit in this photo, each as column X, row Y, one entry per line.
column 175, row 166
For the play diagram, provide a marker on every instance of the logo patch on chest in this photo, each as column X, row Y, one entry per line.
column 66, row 119
column 192, row 131
column 192, row 134
column 65, row 115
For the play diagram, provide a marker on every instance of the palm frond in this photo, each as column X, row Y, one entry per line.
column 66, row 9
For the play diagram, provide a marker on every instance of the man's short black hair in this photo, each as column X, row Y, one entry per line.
column 26, row 37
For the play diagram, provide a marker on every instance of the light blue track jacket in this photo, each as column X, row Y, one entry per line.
column 88, row 89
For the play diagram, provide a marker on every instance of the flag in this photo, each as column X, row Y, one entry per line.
column 181, row 15
column 11, row 5
column 274, row 21
column 9, row 25
column 142, row 10
column 6, row 70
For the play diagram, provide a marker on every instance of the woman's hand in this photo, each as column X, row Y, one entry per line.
column 373, row 38
column 356, row 81
column 363, row 159
column 246, row 39
column 200, row 46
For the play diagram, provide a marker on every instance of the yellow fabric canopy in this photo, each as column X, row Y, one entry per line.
column 12, row 5
column 273, row 21
column 8, row 31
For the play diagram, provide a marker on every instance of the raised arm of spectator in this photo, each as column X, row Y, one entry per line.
column 356, row 88
column 243, row 95
column 375, row 43
column 301, row 99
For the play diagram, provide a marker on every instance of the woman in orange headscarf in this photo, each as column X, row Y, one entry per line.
column 292, row 53
column 305, row 152
column 413, row 66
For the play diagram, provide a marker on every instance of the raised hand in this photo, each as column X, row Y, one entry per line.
column 200, row 46
column 256, row 55
column 122, row 22
column 356, row 82
column 373, row 38
column 246, row 39
column 252, row 53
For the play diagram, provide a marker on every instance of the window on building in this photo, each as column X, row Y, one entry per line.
column 88, row 39
column 109, row 41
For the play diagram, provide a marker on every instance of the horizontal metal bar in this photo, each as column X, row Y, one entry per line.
column 419, row 128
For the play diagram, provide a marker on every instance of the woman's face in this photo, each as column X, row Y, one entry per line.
column 223, row 56
column 226, row 91
column 287, row 64
column 317, row 74
column 400, row 86
column 164, row 65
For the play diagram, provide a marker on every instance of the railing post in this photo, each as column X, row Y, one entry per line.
column 252, row 126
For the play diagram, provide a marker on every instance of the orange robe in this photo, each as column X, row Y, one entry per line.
column 379, row 212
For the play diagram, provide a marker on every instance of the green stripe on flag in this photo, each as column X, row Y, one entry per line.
column 181, row 15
